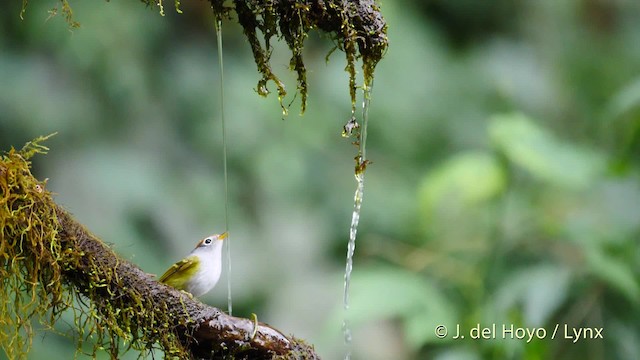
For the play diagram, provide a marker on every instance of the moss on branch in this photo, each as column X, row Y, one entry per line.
column 356, row 26
column 50, row 263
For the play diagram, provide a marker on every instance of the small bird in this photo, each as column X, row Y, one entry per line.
column 199, row 272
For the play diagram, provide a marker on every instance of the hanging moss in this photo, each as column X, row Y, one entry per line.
column 65, row 8
column 356, row 26
column 50, row 263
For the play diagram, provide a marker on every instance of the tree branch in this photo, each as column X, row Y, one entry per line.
column 51, row 260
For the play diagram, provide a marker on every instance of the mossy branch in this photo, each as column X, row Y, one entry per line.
column 50, row 263
column 356, row 26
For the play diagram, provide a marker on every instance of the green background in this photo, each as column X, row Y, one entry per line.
column 504, row 187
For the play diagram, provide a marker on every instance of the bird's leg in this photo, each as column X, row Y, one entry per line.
column 255, row 325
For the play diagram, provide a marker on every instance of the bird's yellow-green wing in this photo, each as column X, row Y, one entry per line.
column 178, row 274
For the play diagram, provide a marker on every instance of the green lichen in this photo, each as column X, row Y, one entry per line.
column 30, row 275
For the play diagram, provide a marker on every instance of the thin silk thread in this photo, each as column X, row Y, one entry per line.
column 224, row 165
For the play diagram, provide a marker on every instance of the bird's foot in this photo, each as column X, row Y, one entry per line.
column 190, row 295
column 255, row 325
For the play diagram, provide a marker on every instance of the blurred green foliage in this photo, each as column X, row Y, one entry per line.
column 504, row 187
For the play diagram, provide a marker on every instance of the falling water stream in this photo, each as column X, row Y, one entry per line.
column 224, row 164
column 361, row 165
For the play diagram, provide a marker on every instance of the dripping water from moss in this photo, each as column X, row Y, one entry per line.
column 224, row 163
column 360, row 167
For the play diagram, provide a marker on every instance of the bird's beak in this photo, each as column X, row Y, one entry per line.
column 223, row 236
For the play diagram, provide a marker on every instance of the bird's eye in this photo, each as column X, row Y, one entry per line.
column 207, row 241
